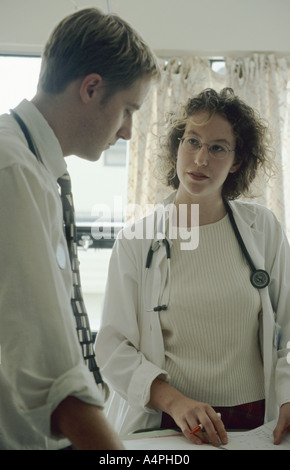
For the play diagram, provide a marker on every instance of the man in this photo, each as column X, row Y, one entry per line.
column 96, row 72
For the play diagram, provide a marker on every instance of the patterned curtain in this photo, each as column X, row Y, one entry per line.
column 260, row 80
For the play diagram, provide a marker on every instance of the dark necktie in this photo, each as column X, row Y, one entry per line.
column 77, row 302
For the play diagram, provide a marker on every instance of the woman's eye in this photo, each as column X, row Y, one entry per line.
column 193, row 142
column 217, row 148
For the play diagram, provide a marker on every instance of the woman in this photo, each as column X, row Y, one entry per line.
column 183, row 340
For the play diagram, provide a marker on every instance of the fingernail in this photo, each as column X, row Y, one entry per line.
column 197, row 442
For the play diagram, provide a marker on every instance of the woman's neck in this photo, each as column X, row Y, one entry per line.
column 210, row 211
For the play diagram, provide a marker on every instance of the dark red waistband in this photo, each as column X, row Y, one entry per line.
column 246, row 416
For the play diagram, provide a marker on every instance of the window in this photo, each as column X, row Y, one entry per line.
column 99, row 188
column 218, row 65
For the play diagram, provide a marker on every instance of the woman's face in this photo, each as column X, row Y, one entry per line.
column 201, row 175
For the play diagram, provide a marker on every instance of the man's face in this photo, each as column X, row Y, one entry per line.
column 106, row 121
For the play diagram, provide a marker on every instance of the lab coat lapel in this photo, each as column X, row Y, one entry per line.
column 156, row 276
column 253, row 238
column 255, row 241
column 159, row 263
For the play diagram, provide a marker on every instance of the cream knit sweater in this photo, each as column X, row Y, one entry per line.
column 211, row 326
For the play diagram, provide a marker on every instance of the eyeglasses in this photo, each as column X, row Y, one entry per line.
column 193, row 145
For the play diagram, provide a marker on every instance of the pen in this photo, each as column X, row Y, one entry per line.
column 199, row 427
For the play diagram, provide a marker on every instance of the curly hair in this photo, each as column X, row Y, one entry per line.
column 250, row 131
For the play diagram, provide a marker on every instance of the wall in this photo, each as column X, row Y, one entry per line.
column 206, row 27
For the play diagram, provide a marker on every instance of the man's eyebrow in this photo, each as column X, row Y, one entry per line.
column 134, row 105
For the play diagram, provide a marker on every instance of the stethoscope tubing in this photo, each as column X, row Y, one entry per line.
column 259, row 277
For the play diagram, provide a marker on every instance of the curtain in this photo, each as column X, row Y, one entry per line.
column 261, row 80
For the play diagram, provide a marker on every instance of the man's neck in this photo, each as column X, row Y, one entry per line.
column 56, row 109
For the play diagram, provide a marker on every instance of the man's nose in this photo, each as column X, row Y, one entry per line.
column 125, row 131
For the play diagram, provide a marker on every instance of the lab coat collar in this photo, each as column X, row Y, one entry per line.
column 46, row 143
column 161, row 220
column 245, row 216
column 244, row 213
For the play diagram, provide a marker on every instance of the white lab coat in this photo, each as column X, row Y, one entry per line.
column 129, row 345
column 41, row 361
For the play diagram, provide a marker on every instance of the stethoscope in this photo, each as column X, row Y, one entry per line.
column 259, row 277
column 26, row 134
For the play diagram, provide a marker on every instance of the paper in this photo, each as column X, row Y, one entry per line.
column 258, row 439
column 161, row 440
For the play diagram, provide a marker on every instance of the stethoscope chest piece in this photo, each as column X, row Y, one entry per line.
column 260, row 279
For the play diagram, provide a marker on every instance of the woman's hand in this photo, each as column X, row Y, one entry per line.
column 283, row 424
column 188, row 413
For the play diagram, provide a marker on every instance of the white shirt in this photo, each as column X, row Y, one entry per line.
column 41, row 360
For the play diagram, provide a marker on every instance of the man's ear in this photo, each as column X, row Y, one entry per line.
column 90, row 86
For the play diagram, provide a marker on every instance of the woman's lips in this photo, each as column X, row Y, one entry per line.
column 195, row 175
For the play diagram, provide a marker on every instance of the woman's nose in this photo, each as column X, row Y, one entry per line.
column 201, row 157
